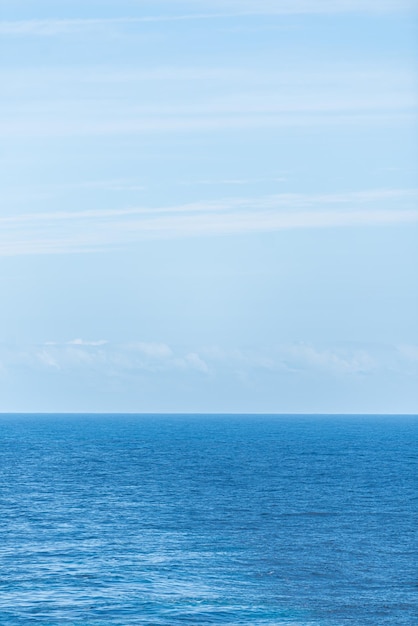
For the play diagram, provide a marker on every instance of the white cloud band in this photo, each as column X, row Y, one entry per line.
column 78, row 231
column 212, row 10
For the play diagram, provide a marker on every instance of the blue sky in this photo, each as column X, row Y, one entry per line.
column 209, row 206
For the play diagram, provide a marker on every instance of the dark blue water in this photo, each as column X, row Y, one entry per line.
column 208, row 520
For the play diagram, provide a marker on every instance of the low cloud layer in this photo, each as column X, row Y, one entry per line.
column 110, row 358
column 140, row 376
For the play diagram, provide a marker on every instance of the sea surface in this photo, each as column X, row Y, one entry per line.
column 239, row 520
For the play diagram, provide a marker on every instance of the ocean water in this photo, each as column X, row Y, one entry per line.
column 239, row 520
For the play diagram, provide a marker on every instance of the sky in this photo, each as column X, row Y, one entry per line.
column 209, row 206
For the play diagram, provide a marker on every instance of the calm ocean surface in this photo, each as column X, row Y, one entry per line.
column 238, row 520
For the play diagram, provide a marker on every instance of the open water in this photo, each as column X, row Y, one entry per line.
column 239, row 520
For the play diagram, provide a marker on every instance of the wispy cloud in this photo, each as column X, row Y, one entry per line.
column 212, row 11
column 409, row 352
column 66, row 231
column 49, row 102
column 53, row 27
column 305, row 74
column 239, row 112
column 303, row 6
column 119, row 359
column 150, row 377
column 58, row 124
column 106, row 358
column 83, row 342
column 234, row 181
column 336, row 361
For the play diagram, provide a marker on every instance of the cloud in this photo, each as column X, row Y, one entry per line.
column 67, row 102
column 153, row 350
column 409, row 352
column 103, row 357
column 335, row 361
column 45, row 358
column 279, row 7
column 109, row 359
column 194, row 361
column 83, row 342
column 214, row 11
column 54, row 27
column 348, row 360
column 234, row 181
column 299, row 377
column 90, row 230
column 270, row 110
column 294, row 73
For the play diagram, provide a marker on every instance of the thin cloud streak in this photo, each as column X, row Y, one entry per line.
column 348, row 75
column 91, row 230
column 225, row 10
column 65, row 104
column 52, row 27
column 296, row 201
column 304, row 6
column 188, row 123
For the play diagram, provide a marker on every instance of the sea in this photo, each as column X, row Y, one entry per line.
column 245, row 520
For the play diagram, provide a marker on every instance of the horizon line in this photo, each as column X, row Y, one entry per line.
column 209, row 414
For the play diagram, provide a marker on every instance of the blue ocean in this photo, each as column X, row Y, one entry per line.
column 182, row 519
